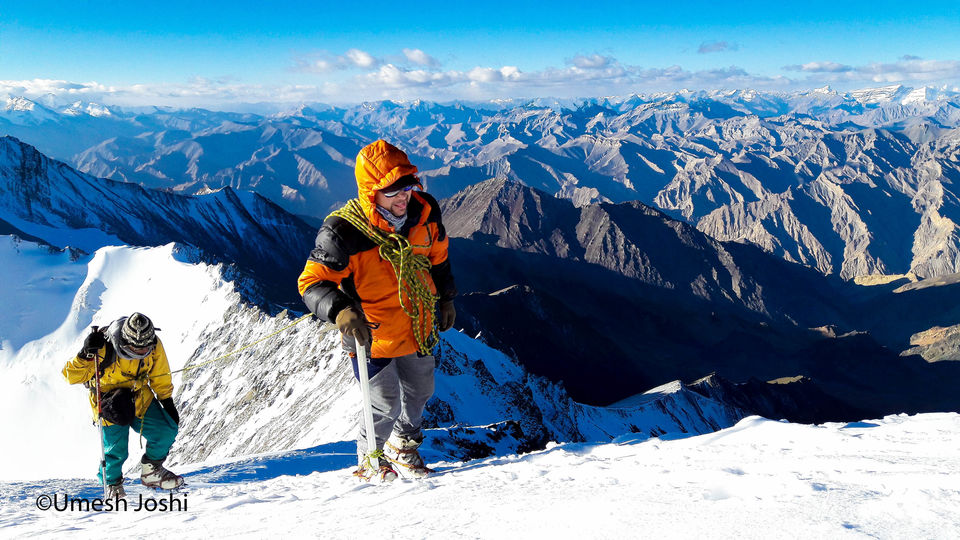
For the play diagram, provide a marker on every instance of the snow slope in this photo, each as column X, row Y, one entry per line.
column 44, row 320
column 292, row 392
column 889, row 478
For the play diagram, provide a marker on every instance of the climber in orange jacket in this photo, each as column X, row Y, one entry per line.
column 380, row 272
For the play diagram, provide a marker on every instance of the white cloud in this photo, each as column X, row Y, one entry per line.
column 420, row 58
column 196, row 92
column 819, row 67
column 416, row 74
column 913, row 69
column 361, row 59
column 485, row 75
column 594, row 61
column 907, row 69
column 39, row 87
column 397, row 77
column 324, row 62
column 319, row 62
column 323, row 66
column 391, row 81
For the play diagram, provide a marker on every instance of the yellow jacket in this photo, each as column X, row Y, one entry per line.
column 154, row 374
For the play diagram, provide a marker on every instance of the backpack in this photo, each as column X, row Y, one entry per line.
column 118, row 406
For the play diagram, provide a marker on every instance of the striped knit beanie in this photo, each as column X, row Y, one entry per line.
column 138, row 331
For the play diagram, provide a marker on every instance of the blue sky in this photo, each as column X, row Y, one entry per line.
column 216, row 54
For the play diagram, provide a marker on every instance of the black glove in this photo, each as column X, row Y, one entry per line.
column 92, row 344
column 448, row 314
column 171, row 409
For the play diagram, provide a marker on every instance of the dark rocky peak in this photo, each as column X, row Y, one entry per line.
column 641, row 243
column 28, row 177
column 511, row 215
column 629, row 238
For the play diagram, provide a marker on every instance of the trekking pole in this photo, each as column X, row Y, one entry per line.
column 367, row 407
column 103, row 452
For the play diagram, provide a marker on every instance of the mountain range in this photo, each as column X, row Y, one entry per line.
column 851, row 184
column 607, row 296
column 606, row 299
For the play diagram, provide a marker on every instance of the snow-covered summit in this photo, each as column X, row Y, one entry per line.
column 79, row 108
column 22, row 111
column 19, row 103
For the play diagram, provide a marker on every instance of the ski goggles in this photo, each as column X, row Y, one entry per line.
column 394, row 192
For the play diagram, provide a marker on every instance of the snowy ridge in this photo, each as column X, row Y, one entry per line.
column 293, row 391
column 38, row 338
column 478, row 385
column 889, row 478
column 297, row 391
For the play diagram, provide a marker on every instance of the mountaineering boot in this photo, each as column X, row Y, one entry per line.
column 384, row 474
column 403, row 451
column 115, row 491
column 154, row 474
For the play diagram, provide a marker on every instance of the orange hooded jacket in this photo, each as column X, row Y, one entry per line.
column 345, row 268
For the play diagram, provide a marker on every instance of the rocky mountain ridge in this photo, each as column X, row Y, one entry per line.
column 609, row 297
column 642, row 243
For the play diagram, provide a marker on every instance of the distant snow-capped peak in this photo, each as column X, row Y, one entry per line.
column 921, row 95
column 19, row 103
column 79, row 108
column 23, row 111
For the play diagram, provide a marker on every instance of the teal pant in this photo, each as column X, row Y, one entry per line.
column 158, row 429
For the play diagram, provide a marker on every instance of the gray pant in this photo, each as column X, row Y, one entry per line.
column 398, row 394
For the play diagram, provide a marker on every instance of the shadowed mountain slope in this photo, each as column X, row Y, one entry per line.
column 47, row 199
column 611, row 299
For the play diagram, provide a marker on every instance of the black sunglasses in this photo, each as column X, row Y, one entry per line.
column 394, row 192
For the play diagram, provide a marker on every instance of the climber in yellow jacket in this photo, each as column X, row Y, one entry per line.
column 133, row 368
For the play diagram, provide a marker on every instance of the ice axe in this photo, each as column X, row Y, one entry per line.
column 103, row 452
column 367, row 407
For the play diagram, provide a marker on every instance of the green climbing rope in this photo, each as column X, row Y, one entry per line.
column 412, row 271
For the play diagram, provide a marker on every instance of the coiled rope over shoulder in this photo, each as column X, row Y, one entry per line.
column 412, row 271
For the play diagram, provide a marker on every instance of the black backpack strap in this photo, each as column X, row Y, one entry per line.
column 137, row 376
column 109, row 357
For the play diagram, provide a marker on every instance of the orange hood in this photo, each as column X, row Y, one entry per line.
column 379, row 164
